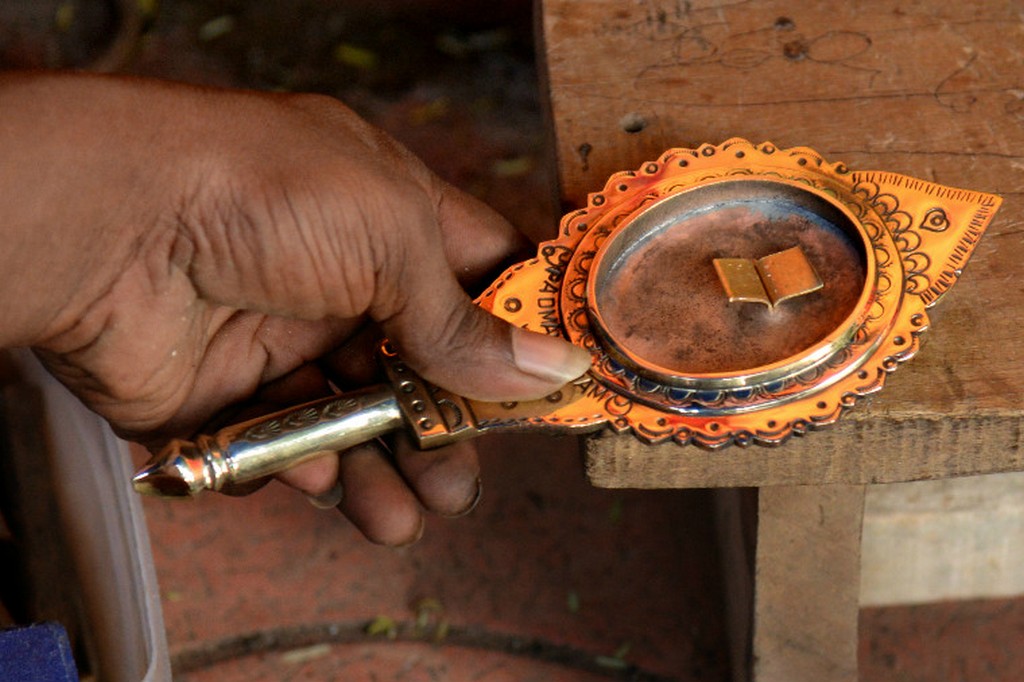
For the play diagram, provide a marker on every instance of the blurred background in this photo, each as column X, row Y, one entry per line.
column 549, row 579
column 454, row 81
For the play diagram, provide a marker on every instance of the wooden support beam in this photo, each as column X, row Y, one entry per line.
column 807, row 583
column 791, row 557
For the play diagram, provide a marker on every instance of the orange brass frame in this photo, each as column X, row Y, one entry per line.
column 916, row 235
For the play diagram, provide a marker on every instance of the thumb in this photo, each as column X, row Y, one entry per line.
column 460, row 347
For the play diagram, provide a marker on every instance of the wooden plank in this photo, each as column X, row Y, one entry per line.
column 930, row 89
column 807, row 583
column 866, row 447
column 933, row 87
column 953, row 539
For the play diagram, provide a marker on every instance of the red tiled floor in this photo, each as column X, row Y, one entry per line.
column 961, row 641
column 395, row 661
column 591, row 578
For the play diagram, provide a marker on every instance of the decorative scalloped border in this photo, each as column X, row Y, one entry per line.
column 881, row 215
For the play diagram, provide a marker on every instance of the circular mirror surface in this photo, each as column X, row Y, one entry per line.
column 659, row 301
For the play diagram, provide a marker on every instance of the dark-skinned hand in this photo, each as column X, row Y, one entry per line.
column 172, row 251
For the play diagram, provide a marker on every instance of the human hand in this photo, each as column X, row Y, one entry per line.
column 175, row 251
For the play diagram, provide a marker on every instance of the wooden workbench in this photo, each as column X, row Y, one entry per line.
column 930, row 89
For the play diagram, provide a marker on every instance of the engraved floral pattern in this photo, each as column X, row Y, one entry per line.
column 300, row 418
column 896, row 215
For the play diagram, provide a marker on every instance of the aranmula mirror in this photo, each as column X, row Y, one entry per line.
column 728, row 294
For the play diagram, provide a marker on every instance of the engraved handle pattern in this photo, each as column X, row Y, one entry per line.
column 300, row 418
column 270, row 444
column 267, row 445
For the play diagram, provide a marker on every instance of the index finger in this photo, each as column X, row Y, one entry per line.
column 476, row 239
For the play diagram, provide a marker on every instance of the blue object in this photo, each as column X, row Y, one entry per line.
column 37, row 653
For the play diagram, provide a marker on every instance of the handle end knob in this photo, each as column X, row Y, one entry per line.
column 179, row 470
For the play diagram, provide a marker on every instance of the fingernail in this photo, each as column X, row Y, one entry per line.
column 472, row 503
column 328, row 500
column 548, row 357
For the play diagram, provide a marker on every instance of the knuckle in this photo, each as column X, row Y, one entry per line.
column 466, row 331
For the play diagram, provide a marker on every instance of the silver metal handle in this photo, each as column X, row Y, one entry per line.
column 260, row 447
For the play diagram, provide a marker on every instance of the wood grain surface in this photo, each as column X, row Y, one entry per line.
column 933, row 90
column 807, row 583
